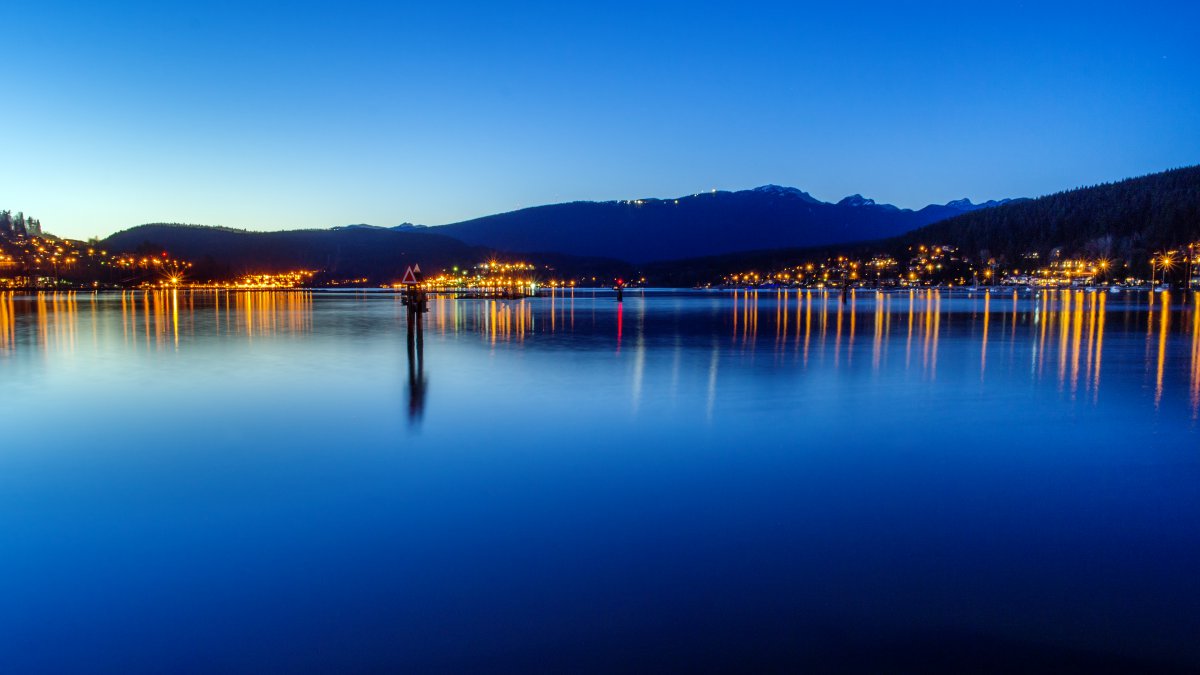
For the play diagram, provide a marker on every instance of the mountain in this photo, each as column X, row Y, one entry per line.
column 1123, row 220
column 578, row 239
column 965, row 204
column 351, row 252
column 402, row 227
column 379, row 255
column 698, row 237
column 642, row 230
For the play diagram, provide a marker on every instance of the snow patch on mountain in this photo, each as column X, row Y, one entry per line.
column 787, row 192
column 856, row 200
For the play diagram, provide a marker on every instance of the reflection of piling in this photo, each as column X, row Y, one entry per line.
column 416, row 300
column 416, row 372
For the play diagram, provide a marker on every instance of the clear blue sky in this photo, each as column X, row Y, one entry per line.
column 271, row 116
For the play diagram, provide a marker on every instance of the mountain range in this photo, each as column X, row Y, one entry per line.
column 575, row 238
column 644, row 230
column 687, row 239
column 378, row 254
column 1125, row 222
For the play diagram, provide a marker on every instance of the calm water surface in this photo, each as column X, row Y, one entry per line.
column 275, row 481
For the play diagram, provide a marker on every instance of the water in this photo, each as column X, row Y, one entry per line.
column 257, row 481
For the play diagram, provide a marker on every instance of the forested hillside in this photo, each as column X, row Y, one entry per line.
column 1126, row 220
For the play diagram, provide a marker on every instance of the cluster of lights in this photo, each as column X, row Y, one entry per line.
column 293, row 279
column 1064, row 272
column 497, row 267
column 838, row 270
column 246, row 282
column 936, row 265
column 162, row 264
column 358, row 281
column 491, row 275
column 36, row 260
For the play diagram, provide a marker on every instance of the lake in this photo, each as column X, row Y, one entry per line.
column 254, row 481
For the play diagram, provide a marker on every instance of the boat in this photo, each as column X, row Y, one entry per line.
column 1114, row 289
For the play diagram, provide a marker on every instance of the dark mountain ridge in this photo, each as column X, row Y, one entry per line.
column 1125, row 221
column 584, row 238
column 377, row 254
column 642, row 230
column 353, row 252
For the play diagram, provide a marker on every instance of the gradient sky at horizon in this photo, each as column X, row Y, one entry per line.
column 273, row 116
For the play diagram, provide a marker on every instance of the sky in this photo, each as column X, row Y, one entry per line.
column 273, row 116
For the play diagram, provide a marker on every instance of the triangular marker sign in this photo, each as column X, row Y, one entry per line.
column 409, row 277
column 416, row 268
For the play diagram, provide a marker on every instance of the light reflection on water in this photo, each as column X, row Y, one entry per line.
column 286, row 478
column 1062, row 333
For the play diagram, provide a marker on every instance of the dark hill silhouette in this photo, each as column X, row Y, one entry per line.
column 380, row 255
column 642, row 230
column 1122, row 220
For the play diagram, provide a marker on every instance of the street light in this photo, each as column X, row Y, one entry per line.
column 1167, row 263
column 1189, row 266
column 1164, row 261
